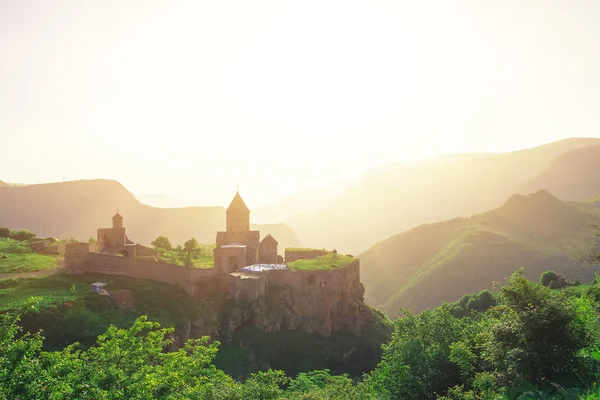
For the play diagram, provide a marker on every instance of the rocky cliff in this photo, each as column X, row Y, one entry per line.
column 285, row 308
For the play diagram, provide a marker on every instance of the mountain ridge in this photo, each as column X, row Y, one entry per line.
column 382, row 204
column 79, row 208
column 424, row 266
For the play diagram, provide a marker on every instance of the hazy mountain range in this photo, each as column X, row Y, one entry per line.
column 78, row 208
column 400, row 196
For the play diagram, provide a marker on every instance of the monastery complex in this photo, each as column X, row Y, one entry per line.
column 246, row 270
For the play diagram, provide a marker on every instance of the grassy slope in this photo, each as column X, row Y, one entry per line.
column 328, row 261
column 68, row 312
column 421, row 268
column 20, row 258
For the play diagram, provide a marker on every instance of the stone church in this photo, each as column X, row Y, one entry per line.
column 238, row 246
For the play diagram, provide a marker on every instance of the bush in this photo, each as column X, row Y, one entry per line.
column 4, row 233
column 22, row 235
column 548, row 277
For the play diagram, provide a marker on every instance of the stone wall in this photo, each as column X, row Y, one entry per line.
column 246, row 287
column 143, row 251
column 293, row 255
column 43, row 247
column 76, row 254
column 80, row 261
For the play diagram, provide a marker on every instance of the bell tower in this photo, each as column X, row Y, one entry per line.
column 238, row 215
column 117, row 221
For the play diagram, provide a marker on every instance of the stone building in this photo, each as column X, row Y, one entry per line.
column 238, row 246
column 115, row 241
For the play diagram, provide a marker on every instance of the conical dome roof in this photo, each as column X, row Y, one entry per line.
column 237, row 204
column 117, row 216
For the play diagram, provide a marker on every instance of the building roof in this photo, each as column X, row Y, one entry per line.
column 117, row 216
column 100, row 284
column 237, row 204
column 263, row 268
column 269, row 238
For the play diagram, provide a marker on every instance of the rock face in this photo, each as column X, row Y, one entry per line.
column 314, row 309
column 320, row 310
column 317, row 302
column 206, row 326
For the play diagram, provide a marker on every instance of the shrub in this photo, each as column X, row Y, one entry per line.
column 548, row 277
column 4, row 233
column 22, row 235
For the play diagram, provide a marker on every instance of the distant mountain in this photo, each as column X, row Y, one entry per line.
column 429, row 264
column 574, row 175
column 400, row 196
column 595, row 198
column 79, row 208
column 300, row 203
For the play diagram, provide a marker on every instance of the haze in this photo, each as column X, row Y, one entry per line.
column 189, row 99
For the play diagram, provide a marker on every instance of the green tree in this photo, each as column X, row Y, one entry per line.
column 191, row 251
column 416, row 362
column 91, row 240
column 534, row 333
column 125, row 363
column 22, row 235
column 4, row 233
column 162, row 242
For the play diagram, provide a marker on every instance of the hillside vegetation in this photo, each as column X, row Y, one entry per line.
column 389, row 200
column 527, row 342
column 68, row 312
column 424, row 266
column 20, row 257
column 78, row 208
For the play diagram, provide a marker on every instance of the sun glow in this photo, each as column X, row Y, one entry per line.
column 191, row 98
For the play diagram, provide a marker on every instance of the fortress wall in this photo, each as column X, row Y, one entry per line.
column 143, row 251
column 96, row 247
column 38, row 246
column 107, row 264
column 293, row 255
column 338, row 279
column 76, row 255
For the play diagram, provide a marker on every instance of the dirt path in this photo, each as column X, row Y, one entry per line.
column 44, row 272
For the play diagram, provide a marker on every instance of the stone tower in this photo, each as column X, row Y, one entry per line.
column 238, row 216
column 117, row 221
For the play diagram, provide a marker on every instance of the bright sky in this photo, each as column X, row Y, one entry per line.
column 190, row 98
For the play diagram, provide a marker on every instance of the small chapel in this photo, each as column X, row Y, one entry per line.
column 238, row 246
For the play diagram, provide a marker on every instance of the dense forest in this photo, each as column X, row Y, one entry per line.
column 533, row 341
